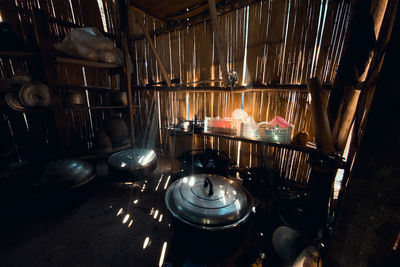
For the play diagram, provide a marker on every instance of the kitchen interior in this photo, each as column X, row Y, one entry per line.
column 198, row 133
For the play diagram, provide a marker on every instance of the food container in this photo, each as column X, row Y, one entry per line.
column 267, row 132
column 222, row 125
column 248, row 129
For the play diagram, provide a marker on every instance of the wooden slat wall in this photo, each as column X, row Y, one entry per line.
column 284, row 42
column 83, row 124
column 267, row 42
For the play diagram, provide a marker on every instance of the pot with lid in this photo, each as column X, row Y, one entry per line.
column 209, row 202
column 210, row 215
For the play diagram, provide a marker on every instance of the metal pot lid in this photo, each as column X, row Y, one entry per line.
column 227, row 205
column 132, row 159
column 67, row 173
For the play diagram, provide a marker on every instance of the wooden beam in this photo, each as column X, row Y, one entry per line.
column 153, row 48
column 322, row 132
column 170, row 26
column 221, row 49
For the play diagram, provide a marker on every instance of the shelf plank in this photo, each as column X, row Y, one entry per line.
column 309, row 148
column 87, row 63
column 15, row 53
column 99, row 107
column 89, row 88
column 237, row 89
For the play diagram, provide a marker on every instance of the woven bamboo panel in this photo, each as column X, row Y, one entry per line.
column 266, row 42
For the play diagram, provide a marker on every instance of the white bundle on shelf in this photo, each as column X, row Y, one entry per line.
column 89, row 43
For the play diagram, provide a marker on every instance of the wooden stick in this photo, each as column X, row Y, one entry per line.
column 153, row 49
column 129, row 85
column 323, row 136
column 221, row 50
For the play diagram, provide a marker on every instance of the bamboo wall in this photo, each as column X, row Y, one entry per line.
column 80, row 125
column 268, row 42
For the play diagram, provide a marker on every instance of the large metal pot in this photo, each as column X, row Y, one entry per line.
column 209, row 202
column 210, row 215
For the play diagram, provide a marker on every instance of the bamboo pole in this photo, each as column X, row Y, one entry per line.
column 219, row 42
column 345, row 116
column 153, row 49
column 321, row 126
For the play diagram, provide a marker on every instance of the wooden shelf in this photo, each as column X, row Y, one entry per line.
column 16, row 53
column 87, row 63
column 89, row 88
column 236, row 89
column 309, row 148
column 102, row 107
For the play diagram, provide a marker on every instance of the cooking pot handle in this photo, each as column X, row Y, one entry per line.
column 207, row 182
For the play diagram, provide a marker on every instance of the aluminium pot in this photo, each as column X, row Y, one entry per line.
column 134, row 163
column 209, row 202
column 210, row 213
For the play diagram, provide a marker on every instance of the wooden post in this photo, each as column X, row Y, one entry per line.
column 345, row 116
column 153, row 49
column 219, row 42
column 127, row 75
column 351, row 72
column 320, row 120
column 41, row 24
column 129, row 87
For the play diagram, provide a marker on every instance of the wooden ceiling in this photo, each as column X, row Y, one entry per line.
column 173, row 10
